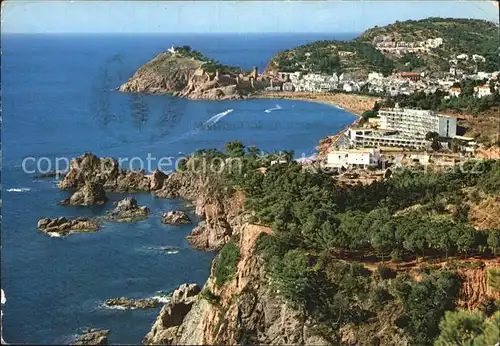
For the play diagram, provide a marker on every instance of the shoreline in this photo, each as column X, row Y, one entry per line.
column 352, row 103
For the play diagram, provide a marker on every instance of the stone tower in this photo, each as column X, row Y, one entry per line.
column 255, row 72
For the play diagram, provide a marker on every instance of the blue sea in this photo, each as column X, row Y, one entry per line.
column 58, row 102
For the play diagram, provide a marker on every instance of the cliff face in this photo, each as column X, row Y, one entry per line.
column 475, row 288
column 181, row 76
column 244, row 310
column 222, row 213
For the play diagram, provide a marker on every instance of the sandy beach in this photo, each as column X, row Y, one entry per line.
column 356, row 104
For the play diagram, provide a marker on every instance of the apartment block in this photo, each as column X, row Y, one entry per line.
column 416, row 123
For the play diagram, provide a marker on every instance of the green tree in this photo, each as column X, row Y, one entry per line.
column 460, row 327
column 494, row 241
column 491, row 332
column 235, row 148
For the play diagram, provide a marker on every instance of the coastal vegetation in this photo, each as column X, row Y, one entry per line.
column 333, row 247
column 226, row 262
column 210, row 65
column 460, row 36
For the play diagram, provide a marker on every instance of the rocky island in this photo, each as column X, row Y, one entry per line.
column 62, row 226
column 176, row 217
column 183, row 72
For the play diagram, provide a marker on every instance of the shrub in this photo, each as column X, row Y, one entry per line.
column 385, row 272
column 226, row 263
column 211, row 297
column 493, row 279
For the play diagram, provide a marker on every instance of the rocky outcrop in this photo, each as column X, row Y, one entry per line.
column 157, row 179
column 62, row 226
column 183, row 76
column 127, row 210
column 221, row 210
column 127, row 303
column 176, row 217
column 89, row 194
column 93, row 337
column 89, row 169
column 244, row 310
column 172, row 314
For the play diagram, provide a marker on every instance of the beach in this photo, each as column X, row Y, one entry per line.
column 353, row 103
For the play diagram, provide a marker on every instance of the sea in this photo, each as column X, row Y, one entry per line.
column 59, row 101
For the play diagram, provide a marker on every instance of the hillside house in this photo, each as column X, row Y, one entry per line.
column 482, row 91
column 363, row 158
column 454, row 92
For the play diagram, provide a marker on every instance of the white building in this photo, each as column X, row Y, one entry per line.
column 288, row 86
column 478, row 58
column 416, row 123
column 434, row 42
column 463, row 57
column 455, row 92
column 483, row 75
column 347, row 87
column 374, row 138
column 375, row 76
column 482, row 91
column 353, row 157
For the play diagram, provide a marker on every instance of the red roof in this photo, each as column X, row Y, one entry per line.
column 409, row 74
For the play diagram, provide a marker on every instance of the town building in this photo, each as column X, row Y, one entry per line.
column 362, row 158
column 375, row 138
column 409, row 75
column 416, row 123
column 478, row 58
column 482, row 91
column 454, row 92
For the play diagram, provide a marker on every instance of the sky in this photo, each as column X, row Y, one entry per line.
column 65, row 16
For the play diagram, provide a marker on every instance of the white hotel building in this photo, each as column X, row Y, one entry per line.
column 416, row 123
column 403, row 127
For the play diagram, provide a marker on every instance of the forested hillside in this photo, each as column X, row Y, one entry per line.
column 460, row 36
column 381, row 263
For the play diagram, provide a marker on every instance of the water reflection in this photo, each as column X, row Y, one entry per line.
column 139, row 111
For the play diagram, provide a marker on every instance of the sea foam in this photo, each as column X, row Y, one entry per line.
column 278, row 107
column 22, row 189
column 216, row 118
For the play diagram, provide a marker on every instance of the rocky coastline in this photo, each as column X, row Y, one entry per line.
column 181, row 75
column 128, row 303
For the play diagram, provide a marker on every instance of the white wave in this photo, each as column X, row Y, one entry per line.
column 213, row 120
column 54, row 235
column 22, row 189
column 117, row 307
column 3, row 297
column 162, row 299
column 278, row 107
column 171, row 252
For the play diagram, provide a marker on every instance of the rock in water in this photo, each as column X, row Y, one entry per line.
column 127, row 210
column 176, row 217
column 89, row 194
column 127, row 303
column 157, row 180
column 62, row 226
column 93, row 337
column 171, row 315
column 89, row 168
